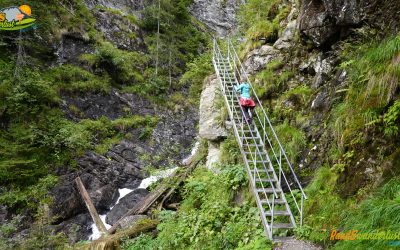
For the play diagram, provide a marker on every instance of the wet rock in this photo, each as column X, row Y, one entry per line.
column 126, row 203
column 76, row 228
column 66, row 199
column 325, row 21
column 321, row 101
column 112, row 105
column 210, row 126
column 71, row 46
column 257, row 59
column 104, row 197
column 218, row 16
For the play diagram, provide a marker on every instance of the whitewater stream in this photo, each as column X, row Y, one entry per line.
column 143, row 185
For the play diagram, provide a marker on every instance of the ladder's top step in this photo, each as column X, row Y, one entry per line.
column 277, row 213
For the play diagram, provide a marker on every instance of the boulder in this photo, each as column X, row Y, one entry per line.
column 126, row 203
column 214, row 155
column 210, row 127
column 257, row 59
column 285, row 40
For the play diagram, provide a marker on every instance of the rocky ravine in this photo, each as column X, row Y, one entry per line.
column 123, row 166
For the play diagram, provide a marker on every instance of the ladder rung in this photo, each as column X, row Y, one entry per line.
column 279, row 213
column 282, row 225
column 265, row 180
column 277, row 201
column 259, row 162
column 267, row 190
column 264, row 171
column 253, row 145
column 255, row 138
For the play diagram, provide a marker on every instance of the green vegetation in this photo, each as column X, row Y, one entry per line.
column 209, row 217
column 375, row 75
column 260, row 20
column 272, row 80
column 370, row 109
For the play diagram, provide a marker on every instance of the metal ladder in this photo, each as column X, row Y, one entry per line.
column 271, row 174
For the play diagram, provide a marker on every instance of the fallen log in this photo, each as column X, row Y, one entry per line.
column 90, row 206
column 112, row 242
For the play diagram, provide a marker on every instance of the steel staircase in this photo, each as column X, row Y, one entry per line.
column 278, row 192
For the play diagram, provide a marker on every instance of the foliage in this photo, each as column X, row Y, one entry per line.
column 293, row 139
column 194, row 77
column 391, row 119
column 230, row 152
column 72, row 78
column 124, row 67
column 208, row 218
column 260, row 19
column 178, row 42
column 381, row 212
column 374, row 71
column 270, row 81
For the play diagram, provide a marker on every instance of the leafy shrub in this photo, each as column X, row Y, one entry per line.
column 260, row 19
column 207, row 218
column 72, row 78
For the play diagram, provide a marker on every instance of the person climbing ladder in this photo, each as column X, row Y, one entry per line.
column 246, row 102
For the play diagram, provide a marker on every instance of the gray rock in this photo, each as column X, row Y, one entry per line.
column 126, row 6
column 218, row 15
column 119, row 30
column 126, row 203
column 321, row 101
column 285, row 40
column 324, row 21
column 209, row 125
column 71, row 46
column 257, row 59
column 214, row 155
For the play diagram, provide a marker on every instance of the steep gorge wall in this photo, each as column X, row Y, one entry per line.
column 309, row 48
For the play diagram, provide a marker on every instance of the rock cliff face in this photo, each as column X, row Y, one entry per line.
column 218, row 15
column 123, row 165
column 308, row 48
column 127, row 6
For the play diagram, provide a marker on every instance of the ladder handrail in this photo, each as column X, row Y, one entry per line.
column 236, row 57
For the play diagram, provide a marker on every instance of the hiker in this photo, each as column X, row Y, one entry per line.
column 245, row 100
